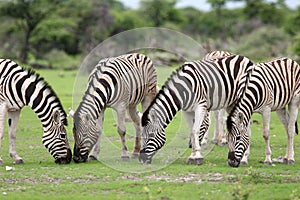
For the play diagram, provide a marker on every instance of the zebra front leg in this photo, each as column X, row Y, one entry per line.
column 266, row 114
column 122, row 132
column 193, row 159
column 199, row 115
column 135, row 117
column 244, row 160
column 3, row 111
column 222, row 122
column 96, row 149
column 203, row 136
column 13, row 119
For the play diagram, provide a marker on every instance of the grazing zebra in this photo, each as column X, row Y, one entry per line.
column 219, row 115
column 20, row 87
column 271, row 87
column 120, row 83
column 197, row 88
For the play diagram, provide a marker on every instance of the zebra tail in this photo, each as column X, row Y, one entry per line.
column 296, row 127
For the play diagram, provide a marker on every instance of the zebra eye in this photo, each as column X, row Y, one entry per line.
column 63, row 136
column 238, row 137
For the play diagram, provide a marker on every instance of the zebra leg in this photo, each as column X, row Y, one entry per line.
column 134, row 114
column 244, row 160
column 13, row 119
column 203, row 136
column 266, row 134
column 200, row 114
column 3, row 111
column 293, row 110
column 96, row 149
column 196, row 157
column 222, row 124
column 217, row 126
column 122, row 131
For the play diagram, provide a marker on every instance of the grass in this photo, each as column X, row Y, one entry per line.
column 167, row 178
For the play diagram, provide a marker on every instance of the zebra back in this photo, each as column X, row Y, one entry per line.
column 126, row 78
column 216, row 55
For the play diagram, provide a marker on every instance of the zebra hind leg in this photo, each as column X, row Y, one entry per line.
column 122, row 133
column 135, row 117
column 2, row 126
column 293, row 113
column 13, row 118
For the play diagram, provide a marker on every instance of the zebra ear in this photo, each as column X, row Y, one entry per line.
column 56, row 116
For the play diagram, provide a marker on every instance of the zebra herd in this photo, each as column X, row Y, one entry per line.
column 221, row 81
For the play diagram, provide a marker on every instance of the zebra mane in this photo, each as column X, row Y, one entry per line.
column 145, row 118
column 46, row 84
column 238, row 102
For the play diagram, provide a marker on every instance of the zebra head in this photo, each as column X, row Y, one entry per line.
column 238, row 139
column 153, row 138
column 86, row 132
column 55, row 139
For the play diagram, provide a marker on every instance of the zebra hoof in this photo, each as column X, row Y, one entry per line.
column 268, row 163
column 1, row 162
column 288, row 162
column 222, row 144
column 92, row 158
column 17, row 162
column 125, row 158
column 195, row 161
column 134, row 155
column 244, row 163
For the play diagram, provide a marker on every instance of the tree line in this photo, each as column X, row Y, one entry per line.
column 61, row 32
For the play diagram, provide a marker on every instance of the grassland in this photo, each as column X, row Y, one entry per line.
column 41, row 178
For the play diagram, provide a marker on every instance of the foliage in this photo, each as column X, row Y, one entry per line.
column 34, row 28
column 260, row 44
column 41, row 178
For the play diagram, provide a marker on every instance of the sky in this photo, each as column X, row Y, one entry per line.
column 202, row 5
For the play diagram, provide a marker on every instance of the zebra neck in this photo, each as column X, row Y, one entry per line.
column 165, row 107
column 45, row 104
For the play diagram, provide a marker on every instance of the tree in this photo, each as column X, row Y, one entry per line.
column 28, row 14
column 160, row 11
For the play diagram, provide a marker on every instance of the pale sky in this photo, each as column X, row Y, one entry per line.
column 202, row 5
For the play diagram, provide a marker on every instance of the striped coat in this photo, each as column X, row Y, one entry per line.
column 20, row 87
column 272, row 86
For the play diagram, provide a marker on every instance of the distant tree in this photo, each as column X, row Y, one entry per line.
column 217, row 5
column 160, row 11
column 267, row 12
column 95, row 25
column 292, row 26
column 27, row 14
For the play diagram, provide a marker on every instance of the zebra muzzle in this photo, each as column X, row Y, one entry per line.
column 232, row 161
column 144, row 157
column 65, row 160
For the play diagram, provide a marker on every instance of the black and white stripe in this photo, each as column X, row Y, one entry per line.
column 197, row 88
column 272, row 86
column 120, row 83
column 219, row 115
column 20, row 87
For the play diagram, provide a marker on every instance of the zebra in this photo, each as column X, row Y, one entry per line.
column 120, row 83
column 219, row 115
column 20, row 87
column 272, row 86
column 197, row 87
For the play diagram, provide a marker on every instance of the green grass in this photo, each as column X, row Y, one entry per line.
column 167, row 178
